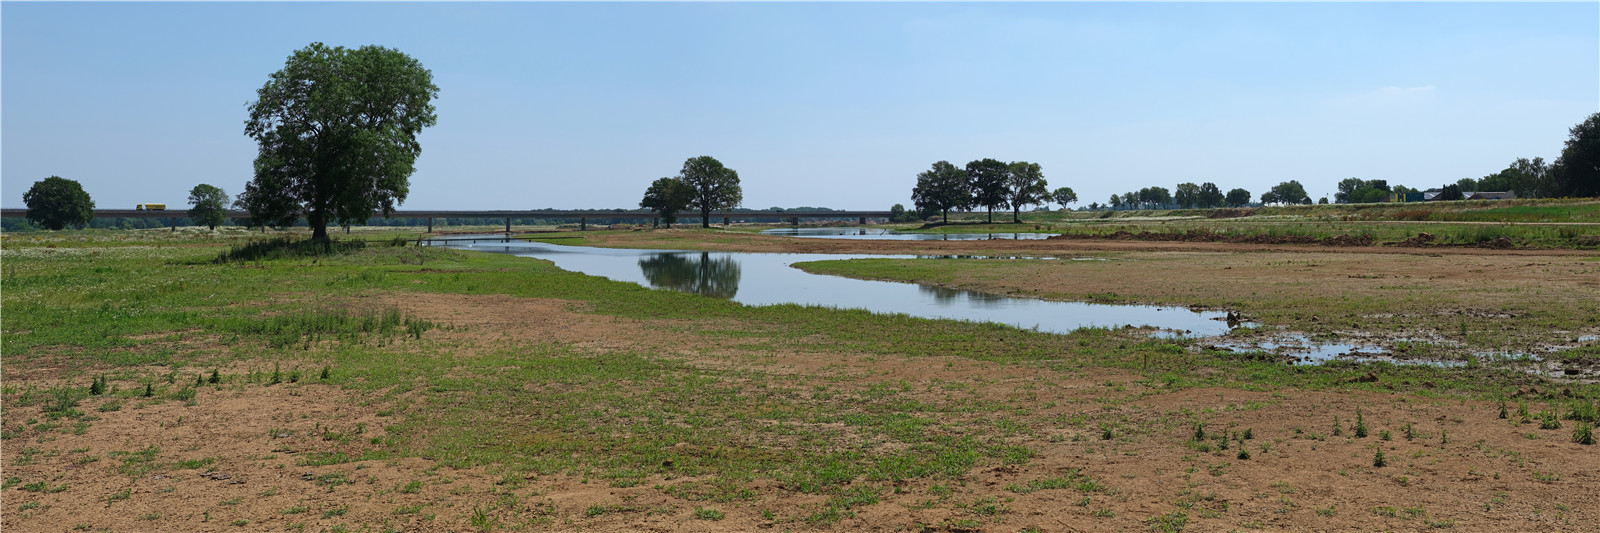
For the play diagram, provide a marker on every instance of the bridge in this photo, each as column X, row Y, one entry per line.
column 582, row 216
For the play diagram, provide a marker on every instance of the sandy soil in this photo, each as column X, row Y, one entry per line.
column 1487, row 475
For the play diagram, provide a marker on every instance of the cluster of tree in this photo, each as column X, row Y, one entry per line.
column 1188, row 195
column 703, row 183
column 988, row 183
column 1359, row 191
column 1576, row 173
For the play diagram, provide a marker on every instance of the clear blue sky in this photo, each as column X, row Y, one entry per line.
column 833, row 104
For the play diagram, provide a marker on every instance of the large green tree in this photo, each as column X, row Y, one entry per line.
column 1288, row 192
column 210, row 205
column 942, row 188
column 1577, row 172
column 1237, row 198
column 1024, row 185
column 1210, row 195
column 667, row 196
column 1064, row 196
column 712, row 186
column 337, row 130
column 1187, row 195
column 988, row 180
column 56, row 202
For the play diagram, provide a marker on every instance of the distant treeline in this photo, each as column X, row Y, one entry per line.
column 22, row 224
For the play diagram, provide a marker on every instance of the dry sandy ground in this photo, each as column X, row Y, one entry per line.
column 1489, row 475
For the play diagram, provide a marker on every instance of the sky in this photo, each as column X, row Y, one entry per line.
column 582, row 105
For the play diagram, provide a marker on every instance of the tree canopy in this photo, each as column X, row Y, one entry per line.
column 1187, row 195
column 711, row 185
column 942, row 188
column 1064, row 196
column 210, row 205
column 56, row 202
column 1024, row 185
column 1359, row 191
column 337, row 130
column 1288, row 192
column 1210, row 195
column 667, row 196
column 1238, row 198
column 988, row 180
column 1577, row 172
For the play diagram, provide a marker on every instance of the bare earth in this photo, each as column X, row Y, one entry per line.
column 1491, row 475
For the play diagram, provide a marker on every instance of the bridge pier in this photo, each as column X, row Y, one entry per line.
column 174, row 221
column 794, row 221
column 863, row 221
column 347, row 230
column 583, row 223
column 508, row 224
column 430, row 224
column 725, row 222
column 655, row 222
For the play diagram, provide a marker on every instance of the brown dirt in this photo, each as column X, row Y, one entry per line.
column 748, row 242
column 1490, row 476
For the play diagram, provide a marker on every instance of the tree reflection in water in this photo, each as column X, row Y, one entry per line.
column 716, row 277
column 946, row 296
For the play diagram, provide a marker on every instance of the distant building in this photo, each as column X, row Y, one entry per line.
column 1431, row 194
column 1508, row 195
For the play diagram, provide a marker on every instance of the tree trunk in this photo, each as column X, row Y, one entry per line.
column 1015, row 212
column 991, row 214
column 319, row 226
column 705, row 218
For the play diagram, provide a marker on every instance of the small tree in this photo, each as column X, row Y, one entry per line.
column 1064, row 196
column 210, row 205
column 1238, row 198
column 942, row 188
column 56, row 202
column 988, row 180
column 897, row 213
column 1024, row 185
column 712, row 186
column 667, row 196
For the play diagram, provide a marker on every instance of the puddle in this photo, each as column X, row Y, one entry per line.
column 768, row 279
column 892, row 235
column 1299, row 349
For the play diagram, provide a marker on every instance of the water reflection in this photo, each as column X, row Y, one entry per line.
column 703, row 274
column 948, row 296
column 768, row 279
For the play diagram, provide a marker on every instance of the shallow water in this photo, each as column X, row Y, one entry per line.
column 768, row 279
column 892, row 235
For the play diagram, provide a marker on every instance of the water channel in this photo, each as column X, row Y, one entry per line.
column 769, row 279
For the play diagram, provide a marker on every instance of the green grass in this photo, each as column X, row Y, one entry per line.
column 165, row 313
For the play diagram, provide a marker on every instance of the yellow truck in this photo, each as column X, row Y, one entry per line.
column 151, row 207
